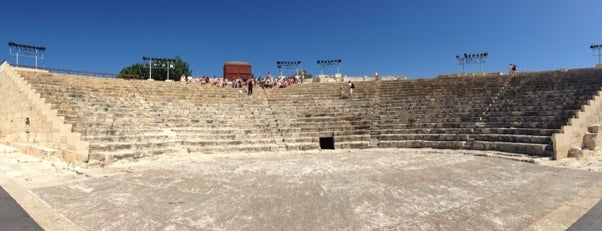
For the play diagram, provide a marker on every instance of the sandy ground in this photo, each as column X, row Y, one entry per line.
column 373, row 189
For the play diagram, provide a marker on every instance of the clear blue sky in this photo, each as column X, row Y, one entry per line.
column 415, row 38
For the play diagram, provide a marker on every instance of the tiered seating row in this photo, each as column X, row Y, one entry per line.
column 542, row 101
column 517, row 114
column 436, row 113
column 126, row 119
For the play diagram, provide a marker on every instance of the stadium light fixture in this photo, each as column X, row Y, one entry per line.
column 158, row 63
column 328, row 63
column 36, row 52
column 474, row 58
column 596, row 51
column 288, row 65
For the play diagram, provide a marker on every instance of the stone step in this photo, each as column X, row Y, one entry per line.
column 116, row 146
column 517, row 131
column 425, row 125
column 352, row 145
column 117, row 131
column 126, row 138
column 423, row 131
column 215, row 149
column 522, row 112
column 510, row 118
column 421, row 144
column 513, row 138
column 395, row 111
column 108, row 157
column 525, row 148
column 521, row 124
column 438, row 120
column 227, row 142
column 302, row 146
column 432, row 137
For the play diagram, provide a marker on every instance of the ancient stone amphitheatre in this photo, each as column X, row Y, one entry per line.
column 445, row 153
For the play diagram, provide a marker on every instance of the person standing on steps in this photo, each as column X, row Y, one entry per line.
column 250, row 87
column 351, row 87
column 512, row 69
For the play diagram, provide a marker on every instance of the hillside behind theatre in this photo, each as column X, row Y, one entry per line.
column 100, row 120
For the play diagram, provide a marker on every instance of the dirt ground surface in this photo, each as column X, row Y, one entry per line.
column 361, row 189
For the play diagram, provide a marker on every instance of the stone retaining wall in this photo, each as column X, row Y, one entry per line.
column 29, row 124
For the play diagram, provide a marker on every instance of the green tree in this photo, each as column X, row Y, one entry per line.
column 135, row 71
column 140, row 71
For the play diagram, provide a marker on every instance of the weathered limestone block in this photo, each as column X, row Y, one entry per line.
column 575, row 152
column 594, row 129
column 591, row 140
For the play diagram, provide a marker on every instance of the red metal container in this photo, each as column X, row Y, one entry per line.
column 236, row 69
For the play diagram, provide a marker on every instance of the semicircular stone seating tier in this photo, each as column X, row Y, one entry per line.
column 137, row 118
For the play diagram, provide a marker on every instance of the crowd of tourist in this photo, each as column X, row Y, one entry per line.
column 264, row 82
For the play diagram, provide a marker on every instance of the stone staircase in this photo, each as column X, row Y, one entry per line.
column 533, row 107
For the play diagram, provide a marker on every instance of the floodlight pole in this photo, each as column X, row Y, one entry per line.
column 150, row 67
column 461, row 61
column 321, row 64
column 36, row 56
column 597, row 47
column 168, row 62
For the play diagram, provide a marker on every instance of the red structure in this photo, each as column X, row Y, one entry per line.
column 235, row 69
